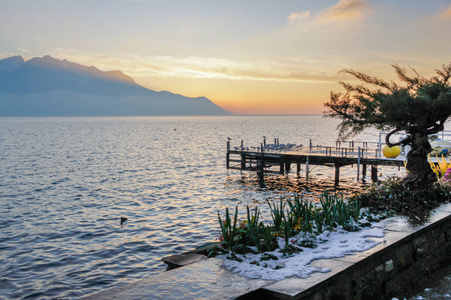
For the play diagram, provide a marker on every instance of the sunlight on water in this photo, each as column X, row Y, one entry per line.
column 65, row 183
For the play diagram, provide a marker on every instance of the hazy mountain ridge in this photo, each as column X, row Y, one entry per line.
column 11, row 63
column 51, row 87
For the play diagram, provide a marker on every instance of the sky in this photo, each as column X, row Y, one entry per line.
column 249, row 57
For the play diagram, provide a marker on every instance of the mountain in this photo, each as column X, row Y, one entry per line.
column 51, row 87
column 10, row 64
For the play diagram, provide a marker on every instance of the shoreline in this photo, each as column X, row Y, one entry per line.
column 402, row 260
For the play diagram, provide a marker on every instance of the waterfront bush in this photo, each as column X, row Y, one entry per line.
column 394, row 197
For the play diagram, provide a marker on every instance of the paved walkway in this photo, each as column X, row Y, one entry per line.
column 201, row 280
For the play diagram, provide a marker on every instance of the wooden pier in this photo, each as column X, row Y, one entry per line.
column 361, row 154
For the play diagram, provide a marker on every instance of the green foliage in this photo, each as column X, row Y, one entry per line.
column 277, row 214
column 420, row 108
column 253, row 227
column 392, row 195
column 301, row 224
column 287, row 230
column 302, row 217
column 228, row 228
column 336, row 211
column 303, row 213
column 330, row 211
column 269, row 241
column 420, row 105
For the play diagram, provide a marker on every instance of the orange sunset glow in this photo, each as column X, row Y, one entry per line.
column 247, row 57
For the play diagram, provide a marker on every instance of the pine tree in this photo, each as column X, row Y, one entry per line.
column 419, row 107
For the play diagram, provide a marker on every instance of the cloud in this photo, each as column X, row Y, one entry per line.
column 23, row 50
column 137, row 66
column 298, row 16
column 343, row 11
column 446, row 14
column 205, row 67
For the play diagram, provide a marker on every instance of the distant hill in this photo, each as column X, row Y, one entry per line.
column 51, row 87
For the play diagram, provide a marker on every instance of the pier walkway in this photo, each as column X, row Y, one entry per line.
column 280, row 158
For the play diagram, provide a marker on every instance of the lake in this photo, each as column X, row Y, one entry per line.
column 65, row 183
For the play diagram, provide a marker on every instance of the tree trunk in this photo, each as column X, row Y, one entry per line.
column 418, row 168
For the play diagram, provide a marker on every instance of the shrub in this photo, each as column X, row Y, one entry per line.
column 393, row 196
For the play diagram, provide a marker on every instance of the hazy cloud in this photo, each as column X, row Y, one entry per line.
column 345, row 10
column 204, row 67
column 137, row 66
column 446, row 14
column 298, row 16
column 23, row 50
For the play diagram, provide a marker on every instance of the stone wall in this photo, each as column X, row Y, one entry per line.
column 394, row 271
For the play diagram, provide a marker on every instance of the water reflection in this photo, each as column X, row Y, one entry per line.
column 294, row 184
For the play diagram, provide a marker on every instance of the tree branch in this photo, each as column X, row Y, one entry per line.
column 403, row 142
column 437, row 127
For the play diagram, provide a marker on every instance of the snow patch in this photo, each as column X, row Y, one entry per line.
column 338, row 243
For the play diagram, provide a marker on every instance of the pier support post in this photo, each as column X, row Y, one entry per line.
column 287, row 167
column 363, row 171
column 243, row 161
column 261, row 168
column 306, row 169
column 337, row 174
column 298, row 167
column 358, row 164
column 374, row 173
column 228, row 155
column 282, row 165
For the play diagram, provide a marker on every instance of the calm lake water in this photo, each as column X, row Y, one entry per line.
column 66, row 182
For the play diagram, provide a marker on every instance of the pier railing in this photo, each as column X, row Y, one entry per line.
column 266, row 157
column 341, row 149
column 356, row 149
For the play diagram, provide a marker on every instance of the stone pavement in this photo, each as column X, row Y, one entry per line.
column 201, row 280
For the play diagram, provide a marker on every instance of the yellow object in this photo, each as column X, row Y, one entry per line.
column 440, row 167
column 391, row 152
column 444, row 165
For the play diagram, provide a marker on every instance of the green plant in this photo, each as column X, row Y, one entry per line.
column 344, row 212
column 268, row 239
column 290, row 218
column 277, row 214
column 228, row 228
column 319, row 220
column 303, row 220
column 287, row 231
column 355, row 208
column 297, row 207
column 253, row 227
column 393, row 195
column 330, row 213
column 302, row 212
column 308, row 218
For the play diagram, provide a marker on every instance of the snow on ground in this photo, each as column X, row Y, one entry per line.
column 329, row 245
